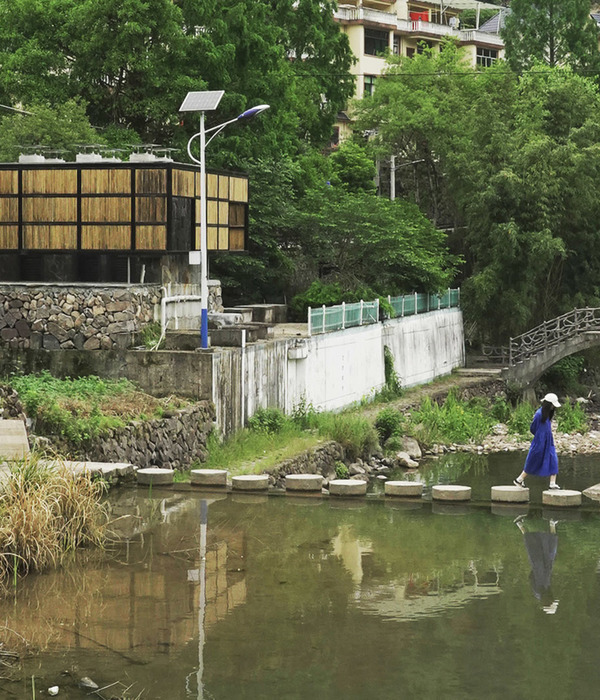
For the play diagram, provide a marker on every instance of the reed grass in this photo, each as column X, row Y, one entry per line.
column 45, row 512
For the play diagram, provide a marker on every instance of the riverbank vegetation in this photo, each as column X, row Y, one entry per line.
column 45, row 513
column 85, row 408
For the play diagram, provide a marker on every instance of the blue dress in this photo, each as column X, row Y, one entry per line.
column 541, row 458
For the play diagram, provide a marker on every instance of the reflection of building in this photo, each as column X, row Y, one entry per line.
column 410, row 596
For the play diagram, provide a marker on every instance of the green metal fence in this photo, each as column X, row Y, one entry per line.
column 333, row 318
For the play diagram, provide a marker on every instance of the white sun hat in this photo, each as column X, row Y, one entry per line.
column 553, row 399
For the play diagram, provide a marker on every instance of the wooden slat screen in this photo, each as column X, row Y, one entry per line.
column 49, row 209
column 9, row 237
column 212, row 238
column 150, row 181
column 212, row 185
column 9, row 209
column 151, row 209
column 183, row 183
column 112, row 181
column 105, row 238
column 9, row 182
column 50, row 181
column 105, row 209
column 236, row 239
column 223, row 187
column 45, row 237
column 212, row 212
column 223, row 238
column 223, row 213
column 238, row 191
column 151, row 238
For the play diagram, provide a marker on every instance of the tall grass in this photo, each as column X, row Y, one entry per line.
column 45, row 512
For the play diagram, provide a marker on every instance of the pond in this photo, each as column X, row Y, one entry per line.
column 304, row 597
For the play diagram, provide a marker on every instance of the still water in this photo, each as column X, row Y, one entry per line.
column 309, row 598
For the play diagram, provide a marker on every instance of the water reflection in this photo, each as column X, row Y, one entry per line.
column 541, row 551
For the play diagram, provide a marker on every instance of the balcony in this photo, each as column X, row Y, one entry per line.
column 420, row 27
column 347, row 13
column 472, row 36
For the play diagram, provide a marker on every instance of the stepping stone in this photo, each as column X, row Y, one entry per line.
column 208, row 477
column 303, row 482
column 561, row 498
column 403, row 488
column 13, row 439
column 451, row 492
column 510, row 510
column 250, row 482
column 510, row 494
column 154, row 476
column 348, row 487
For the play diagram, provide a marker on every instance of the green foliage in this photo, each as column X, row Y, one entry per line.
column 501, row 410
column 393, row 444
column 304, row 414
column 392, row 380
column 453, row 421
column 564, row 376
column 571, row 418
column 521, row 418
column 352, row 168
column 389, row 422
column 341, row 471
column 267, row 420
column 150, row 336
column 354, row 433
column 81, row 409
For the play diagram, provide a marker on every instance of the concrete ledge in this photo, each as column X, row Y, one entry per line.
column 451, row 492
column 154, row 476
column 403, row 488
column 303, row 482
column 561, row 498
column 348, row 487
column 250, row 482
column 593, row 492
column 510, row 494
column 208, row 477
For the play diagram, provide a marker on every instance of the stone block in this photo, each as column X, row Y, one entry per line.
column 303, row 482
column 348, row 487
column 561, row 498
column 510, row 494
column 208, row 477
column 451, row 492
column 154, row 476
column 403, row 488
column 250, row 482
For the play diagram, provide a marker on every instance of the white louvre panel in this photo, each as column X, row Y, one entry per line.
column 201, row 101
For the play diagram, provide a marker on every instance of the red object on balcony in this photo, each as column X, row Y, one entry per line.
column 419, row 16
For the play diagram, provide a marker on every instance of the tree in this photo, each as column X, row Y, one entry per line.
column 558, row 32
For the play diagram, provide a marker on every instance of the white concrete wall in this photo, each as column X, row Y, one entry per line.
column 334, row 370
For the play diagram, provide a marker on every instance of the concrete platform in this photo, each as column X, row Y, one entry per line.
column 303, row 482
column 209, row 477
column 153, row 476
column 13, row 440
column 562, row 498
column 451, row 492
column 348, row 487
column 250, row 482
column 510, row 494
column 410, row 489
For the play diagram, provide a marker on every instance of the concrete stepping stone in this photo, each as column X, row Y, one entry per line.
column 510, row 494
column 561, row 498
column 13, row 439
column 154, row 476
column 303, row 482
column 451, row 492
column 411, row 489
column 250, row 482
column 208, row 477
column 348, row 487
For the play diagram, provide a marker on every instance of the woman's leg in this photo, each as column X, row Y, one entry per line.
column 519, row 480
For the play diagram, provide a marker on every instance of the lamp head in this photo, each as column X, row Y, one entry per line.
column 253, row 111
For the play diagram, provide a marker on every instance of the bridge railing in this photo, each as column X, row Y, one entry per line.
column 552, row 333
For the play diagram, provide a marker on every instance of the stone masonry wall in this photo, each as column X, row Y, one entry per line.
column 170, row 443
column 320, row 460
column 82, row 317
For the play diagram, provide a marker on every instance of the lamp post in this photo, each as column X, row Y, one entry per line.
column 204, row 102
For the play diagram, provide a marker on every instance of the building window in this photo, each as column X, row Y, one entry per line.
column 376, row 42
column 410, row 51
column 485, row 57
column 369, row 84
column 396, row 46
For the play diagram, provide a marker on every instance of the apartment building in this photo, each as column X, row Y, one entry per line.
column 404, row 28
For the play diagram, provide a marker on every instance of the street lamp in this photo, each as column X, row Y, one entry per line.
column 205, row 102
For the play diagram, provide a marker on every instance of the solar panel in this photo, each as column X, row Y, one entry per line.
column 201, row 101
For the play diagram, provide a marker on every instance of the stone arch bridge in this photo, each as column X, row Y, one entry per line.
column 530, row 354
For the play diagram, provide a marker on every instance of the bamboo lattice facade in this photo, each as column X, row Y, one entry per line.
column 114, row 207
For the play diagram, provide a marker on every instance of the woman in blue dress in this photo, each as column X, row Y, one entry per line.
column 541, row 458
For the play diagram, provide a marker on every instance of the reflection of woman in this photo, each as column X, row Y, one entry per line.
column 541, row 551
column 541, row 458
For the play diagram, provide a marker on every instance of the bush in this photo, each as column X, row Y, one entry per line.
column 304, row 414
column 267, row 420
column 564, row 375
column 389, row 422
column 571, row 418
column 393, row 444
column 355, row 434
column 501, row 410
column 521, row 418
column 341, row 471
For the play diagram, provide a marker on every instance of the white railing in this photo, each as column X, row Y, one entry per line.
column 362, row 14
